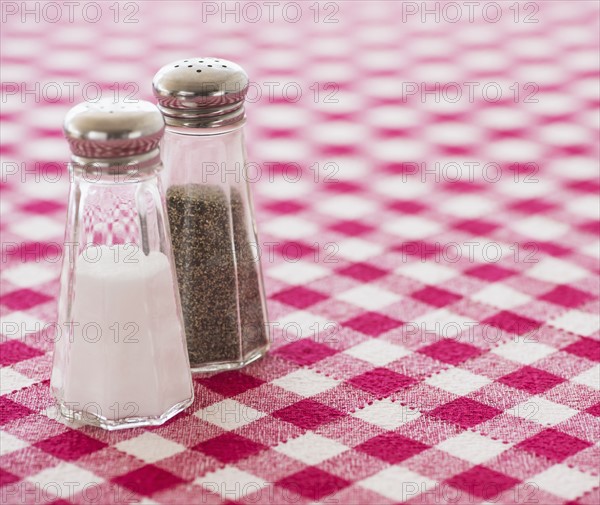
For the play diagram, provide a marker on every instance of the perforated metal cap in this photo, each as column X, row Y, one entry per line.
column 107, row 129
column 201, row 92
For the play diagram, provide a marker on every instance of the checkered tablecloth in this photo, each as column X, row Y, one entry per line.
column 430, row 252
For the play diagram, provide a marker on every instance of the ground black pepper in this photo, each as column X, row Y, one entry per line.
column 218, row 280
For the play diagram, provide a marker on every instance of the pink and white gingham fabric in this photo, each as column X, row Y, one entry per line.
column 431, row 260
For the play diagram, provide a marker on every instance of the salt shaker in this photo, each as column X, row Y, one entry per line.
column 210, row 211
column 120, row 357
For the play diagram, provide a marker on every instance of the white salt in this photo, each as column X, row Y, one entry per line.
column 126, row 355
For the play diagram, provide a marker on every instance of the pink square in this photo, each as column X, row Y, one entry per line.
column 418, row 248
column 450, row 351
column 304, row 352
column 482, row 482
column 490, row 272
column 435, row 296
column 592, row 226
column 299, row 297
column 551, row 248
column 351, row 228
column 585, row 186
column 229, row 447
column 70, row 445
column 511, row 322
column 554, row 445
column 230, row 383
column 313, row 483
column 340, row 186
column 392, row 448
column 532, row 380
column 532, row 206
column 7, row 478
column 476, row 226
column 407, row 206
column 14, row 351
column 23, row 299
column 292, row 250
column 465, row 187
column 308, row 414
column 594, row 410
column 42, row 206
column 465, row 412
column 585, row 348
column 362, row 272
column 381, row 381
column 148, row 480
column 566, row 296
column 372, row 323
column 284, row 207
column 10, row 410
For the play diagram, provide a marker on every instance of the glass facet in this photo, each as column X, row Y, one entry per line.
column 120, row 358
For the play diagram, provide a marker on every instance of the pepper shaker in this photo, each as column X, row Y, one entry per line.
column 120, row 358
column 210, row 212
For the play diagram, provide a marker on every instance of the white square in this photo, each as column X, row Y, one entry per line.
column 369, row 297
column 10, row 443
column 564, row 481
column 458, row 381
column 501, row 296
column 444, row 323
column 346, row 206
column 311, row 448
column 305, row 382
column 542, row 411
column 229, row 414
column 349, row 168
column 398, row 483
column 473, row 447
column 427, row 273
column 11, row 380
column 402, row 186
column 469, row 206
column 300, row 272
column 578, row 322
column 301, row 324
column 411, row 227
column 355, row 249
column 47, row 187
column 590, row 378
column 231, row 483
column 478, row 249
column 523, row 351
column 280, row 189
column 377, row 352
column 150, row 447
column 42, row 228
column 290, row 227
column 59, row 480
column 539, row 227
column 586, row 206
column 592, row 249
column 556, row 271
column 387, row 414
column 531, row 187
column 30, row 274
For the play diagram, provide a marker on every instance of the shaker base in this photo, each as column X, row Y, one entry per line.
column 93, row 419
column 223, row 366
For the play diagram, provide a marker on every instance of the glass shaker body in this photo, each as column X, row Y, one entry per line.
column 120, row 358
column 215, row 246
